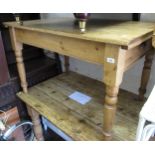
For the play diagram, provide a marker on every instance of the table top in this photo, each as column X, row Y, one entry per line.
column 114, row 32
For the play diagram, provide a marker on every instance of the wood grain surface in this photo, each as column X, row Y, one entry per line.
column 114, row 32
column 82, row 122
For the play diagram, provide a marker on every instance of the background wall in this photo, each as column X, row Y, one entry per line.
column 131, row 81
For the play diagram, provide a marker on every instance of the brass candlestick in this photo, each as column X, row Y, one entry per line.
column 82, row 25
column 82, row 19
column 18, row 18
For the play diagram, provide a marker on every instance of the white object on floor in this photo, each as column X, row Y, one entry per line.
column 48, row 124
column 80, row 97
column 147, row 113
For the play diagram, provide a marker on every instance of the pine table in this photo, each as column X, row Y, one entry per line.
column 116, row 45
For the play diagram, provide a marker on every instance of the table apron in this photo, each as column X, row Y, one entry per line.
column 89, row 51
column 132, row 55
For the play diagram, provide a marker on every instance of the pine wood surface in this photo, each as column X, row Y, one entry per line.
column 114, row 32
column 82, row 122
column 116, row 45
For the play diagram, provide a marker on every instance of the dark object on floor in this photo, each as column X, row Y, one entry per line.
column 50, row 135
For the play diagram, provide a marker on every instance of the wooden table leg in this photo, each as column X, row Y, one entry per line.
column 109, row 110
column 114, row 61
column 36, row 124
column 145, row 74
column 17, row 47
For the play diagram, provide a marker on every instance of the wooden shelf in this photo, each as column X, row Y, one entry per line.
column 82, row 122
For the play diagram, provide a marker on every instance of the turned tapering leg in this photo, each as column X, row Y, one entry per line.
column 36, row 124
column 109, row 110
column 17, row 47
column 145, row 74
column 66, row 63
column 113, row 74
column 21, row 69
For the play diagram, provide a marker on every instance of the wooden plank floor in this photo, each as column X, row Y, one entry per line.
column 82, row 122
